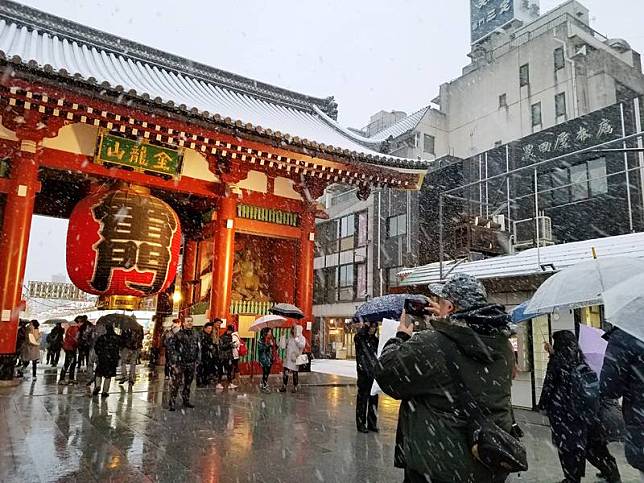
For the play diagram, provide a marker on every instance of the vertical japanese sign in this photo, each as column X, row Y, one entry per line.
column 489, row 15
column 141, row 156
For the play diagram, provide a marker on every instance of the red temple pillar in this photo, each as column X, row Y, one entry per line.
column 223, row 258
column 14, row 241
column 304, row 296
column 188, row 275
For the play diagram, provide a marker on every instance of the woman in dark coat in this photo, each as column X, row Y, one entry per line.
column 265, row 349
column 107, row 348
column 573, row 425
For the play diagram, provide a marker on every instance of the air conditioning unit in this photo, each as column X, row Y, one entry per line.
column 525, row 235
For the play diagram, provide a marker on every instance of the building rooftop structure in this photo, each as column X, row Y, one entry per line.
column 530, row 262
column 59, row 48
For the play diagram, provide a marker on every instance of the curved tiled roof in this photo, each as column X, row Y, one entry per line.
column 40, row 41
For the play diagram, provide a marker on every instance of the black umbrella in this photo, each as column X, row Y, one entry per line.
column 385, row 307
column 119, row 321
column 287, row 310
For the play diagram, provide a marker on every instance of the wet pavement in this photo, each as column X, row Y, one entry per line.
column 58, row 433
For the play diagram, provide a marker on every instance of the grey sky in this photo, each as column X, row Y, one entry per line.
column 369, row 54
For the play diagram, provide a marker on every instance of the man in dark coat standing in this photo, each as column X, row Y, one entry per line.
column 206, row 367
column 182, row 351
column 473, row 335
column 107, row 348
column 366, row 342
column 623, row 376
column 55, row 343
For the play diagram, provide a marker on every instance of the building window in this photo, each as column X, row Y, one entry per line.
column 396, row 225
column 575, row 183
column 392, row 278
column 326, row 238
column 347, row 226
column 325, row 286
column 503, row 101
column 524, row 75
column 560, row 62
column 346, row 282
column 536, row 114
column 560, row 105
column 579, row 182
column 597, row 176
column 361, row 280
column 428, row 144
column 363, row 228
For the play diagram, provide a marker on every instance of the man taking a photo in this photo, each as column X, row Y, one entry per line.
column 470, row 338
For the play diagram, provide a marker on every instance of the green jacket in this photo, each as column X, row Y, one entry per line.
column 431, row 438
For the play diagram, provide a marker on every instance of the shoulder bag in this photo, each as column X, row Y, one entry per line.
column 490, row 444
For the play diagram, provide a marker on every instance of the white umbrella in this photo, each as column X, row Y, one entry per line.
column 624, row 306
column 582, row 284
column 272, row 321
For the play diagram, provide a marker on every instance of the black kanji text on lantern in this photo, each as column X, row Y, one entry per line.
column 136, row 235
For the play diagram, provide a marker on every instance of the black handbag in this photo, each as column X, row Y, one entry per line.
column 490, row 444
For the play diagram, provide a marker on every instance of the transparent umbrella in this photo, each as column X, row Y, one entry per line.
column 582, row 284
column 624, row 306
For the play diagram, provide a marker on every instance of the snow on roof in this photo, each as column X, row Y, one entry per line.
column 53, row 45
column 529, row 262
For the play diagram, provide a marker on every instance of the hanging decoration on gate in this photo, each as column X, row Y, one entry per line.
column 123, row 242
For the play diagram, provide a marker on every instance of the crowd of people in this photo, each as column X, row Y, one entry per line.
column 211, row 354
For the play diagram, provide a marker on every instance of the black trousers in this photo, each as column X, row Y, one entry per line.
column 53, row 356
column 181, row 376
column 412, row 476
column 366, row 405
column 573, row 462
column 266, row 371
column 205, row 371
column 69, row 365
column 285, row 374
column 34, row 364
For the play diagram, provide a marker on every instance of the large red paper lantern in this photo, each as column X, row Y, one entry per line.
column 123, row 242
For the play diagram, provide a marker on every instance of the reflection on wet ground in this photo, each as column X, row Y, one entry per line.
column 58, row 433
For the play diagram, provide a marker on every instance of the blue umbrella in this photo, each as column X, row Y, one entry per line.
column 385, row 307
column 519, row 315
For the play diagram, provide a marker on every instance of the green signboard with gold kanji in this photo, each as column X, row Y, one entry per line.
column 138, row 155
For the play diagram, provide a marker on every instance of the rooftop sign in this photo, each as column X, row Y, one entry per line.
column 490, row 15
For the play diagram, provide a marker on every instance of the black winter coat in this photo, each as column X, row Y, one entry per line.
column 366, row 355
column 226, row 347
column 623, row 376
column 432, row 436
column 209, row 349
column 182, row 348
column 569, row 420
column 55, row 338
column 107, row 348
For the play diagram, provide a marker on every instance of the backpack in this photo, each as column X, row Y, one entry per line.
column 70, row 341
column 586, row 387
column 242, row 350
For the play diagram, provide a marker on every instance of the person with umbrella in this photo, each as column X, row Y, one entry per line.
column 294, row 347
column 131, row 344
column 366, row 343
column 106, row 349
column 266, row 350
column 55, row 343
column 623, row 376
column 572, row 411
